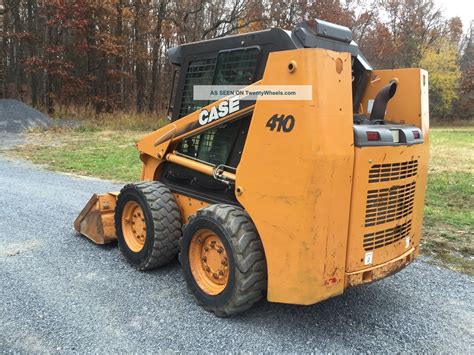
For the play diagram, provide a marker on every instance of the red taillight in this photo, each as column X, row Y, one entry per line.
column 416, row 135
column 373, row 136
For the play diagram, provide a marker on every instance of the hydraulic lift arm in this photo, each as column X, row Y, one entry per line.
column 96, row 221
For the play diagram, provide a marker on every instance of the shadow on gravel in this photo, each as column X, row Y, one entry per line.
column 354, row 303
column 354, row 320
column 109, row 246
column 379, row 306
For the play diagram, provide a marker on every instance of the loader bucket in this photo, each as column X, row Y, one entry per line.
column 96, row 220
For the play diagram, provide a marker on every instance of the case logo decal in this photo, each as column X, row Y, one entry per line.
column 223, row 109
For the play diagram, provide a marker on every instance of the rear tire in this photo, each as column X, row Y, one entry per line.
column 148, row 224
column 230, row 276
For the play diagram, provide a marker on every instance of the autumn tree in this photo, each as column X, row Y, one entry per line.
column 465, row 105
column 109, row 55
column 442, row 63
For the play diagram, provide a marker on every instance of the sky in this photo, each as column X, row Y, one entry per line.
column 462, row 8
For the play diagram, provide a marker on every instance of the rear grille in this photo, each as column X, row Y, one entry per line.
column 390, row 204
column 386, row 237
column 391, row 172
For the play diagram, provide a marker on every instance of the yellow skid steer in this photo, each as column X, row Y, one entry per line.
column 292, row 200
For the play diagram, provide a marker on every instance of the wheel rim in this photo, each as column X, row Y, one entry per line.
column 209, row 262
column 134, row 226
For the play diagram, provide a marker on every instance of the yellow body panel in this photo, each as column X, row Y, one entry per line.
column 410, row 105
column 188, row 206
column 297, row 186
column 385, row 216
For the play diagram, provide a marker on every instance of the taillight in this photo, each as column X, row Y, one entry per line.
column 373, row 136
column 416, row 134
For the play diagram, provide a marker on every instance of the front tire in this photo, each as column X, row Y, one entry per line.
column 223, row 260
column 148, row 224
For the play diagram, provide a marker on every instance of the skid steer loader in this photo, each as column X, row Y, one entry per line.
column 292, row 200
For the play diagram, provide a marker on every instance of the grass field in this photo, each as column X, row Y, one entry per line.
column 108, row 154
column 449, row 211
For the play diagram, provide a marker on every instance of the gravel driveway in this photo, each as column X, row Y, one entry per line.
column 60, row 292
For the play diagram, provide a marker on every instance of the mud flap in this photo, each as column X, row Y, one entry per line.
column 96, row 220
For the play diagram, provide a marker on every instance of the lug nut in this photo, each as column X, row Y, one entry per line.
column 215, row 275
column 204, row 259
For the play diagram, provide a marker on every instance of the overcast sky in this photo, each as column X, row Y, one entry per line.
column 462, row 8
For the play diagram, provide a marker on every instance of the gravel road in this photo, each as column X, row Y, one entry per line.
column 61, row 293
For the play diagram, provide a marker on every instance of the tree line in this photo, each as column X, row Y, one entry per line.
column 110, row 55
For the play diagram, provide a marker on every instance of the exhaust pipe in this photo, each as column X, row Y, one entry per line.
column 381, row 101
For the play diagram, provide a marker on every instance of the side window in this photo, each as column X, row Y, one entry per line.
column 213, row 146
column 200, row 72
column 236, row 67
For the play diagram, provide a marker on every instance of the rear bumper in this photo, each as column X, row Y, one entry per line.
column 378, row 272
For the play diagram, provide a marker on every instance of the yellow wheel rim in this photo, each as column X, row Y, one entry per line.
column 134, row 226
column 209, row 262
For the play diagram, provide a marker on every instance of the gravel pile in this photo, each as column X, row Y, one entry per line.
column 16, row 117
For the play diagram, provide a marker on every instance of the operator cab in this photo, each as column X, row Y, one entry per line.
column 241, row 60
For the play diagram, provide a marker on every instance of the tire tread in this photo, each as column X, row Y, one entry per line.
column 166, row 222
column 250, row 263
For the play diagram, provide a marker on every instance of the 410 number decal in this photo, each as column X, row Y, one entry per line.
column 281, row 123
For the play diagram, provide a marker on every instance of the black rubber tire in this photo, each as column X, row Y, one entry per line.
column 247, row 282
column 163, row 224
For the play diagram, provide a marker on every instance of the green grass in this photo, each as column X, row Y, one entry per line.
column 106, row 154
column 448, row 229
column 449, row 219
column 450, row 198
